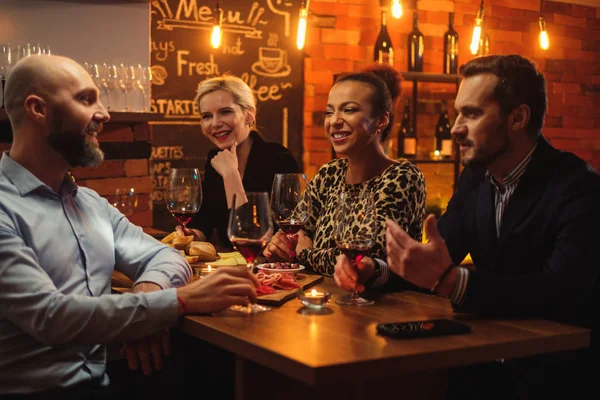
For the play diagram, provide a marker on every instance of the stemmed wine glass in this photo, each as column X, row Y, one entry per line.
column 250, row 229
column 125, row 200
column 183, row 194
column 290, row 202
column 355, row 233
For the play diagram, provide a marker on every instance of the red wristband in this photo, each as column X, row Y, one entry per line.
column 182, row 307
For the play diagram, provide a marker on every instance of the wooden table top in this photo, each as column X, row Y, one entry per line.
column 316, row 349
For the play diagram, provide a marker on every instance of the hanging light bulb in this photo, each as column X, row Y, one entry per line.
column 302, row 22
column 215, row 35
column 477, row 30
column 544, row 41
column 396, row 9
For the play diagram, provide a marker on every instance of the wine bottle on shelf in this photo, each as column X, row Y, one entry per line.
column 407, row 141
column 443, row 138
column 450, row 48
column 384, row 50
column 415, row 46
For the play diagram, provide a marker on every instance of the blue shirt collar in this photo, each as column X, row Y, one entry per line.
column 26, row 182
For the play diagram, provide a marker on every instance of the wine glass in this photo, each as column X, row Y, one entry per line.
column 183, row 194
column 125, row 200
column 290, row 202
column 250, row 229
column 355, row 233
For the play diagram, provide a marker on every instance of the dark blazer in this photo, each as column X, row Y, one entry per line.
column 545, row 261
column 264, row 161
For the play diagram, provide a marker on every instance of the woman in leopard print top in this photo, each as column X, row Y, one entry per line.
column 359, row 117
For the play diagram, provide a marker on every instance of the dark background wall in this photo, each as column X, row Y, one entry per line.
column 258, row 45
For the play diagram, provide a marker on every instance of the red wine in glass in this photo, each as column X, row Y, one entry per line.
column 290, row 202
column 290, row 227
column 183, row 194
column 183, row 217
column 355, row 234
column 249, row 248
column 355, row 252
column 250, row 228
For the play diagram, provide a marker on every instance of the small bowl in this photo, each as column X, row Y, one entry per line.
column 314, row 299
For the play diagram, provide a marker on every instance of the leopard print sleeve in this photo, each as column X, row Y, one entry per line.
column 399, row 194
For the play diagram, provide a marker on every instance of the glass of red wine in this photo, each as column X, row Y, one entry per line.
column 355, row 233
column 250, row 229
column 183, row 194
column 290, row 202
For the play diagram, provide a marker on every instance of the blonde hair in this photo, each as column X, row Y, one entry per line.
column 241, row 92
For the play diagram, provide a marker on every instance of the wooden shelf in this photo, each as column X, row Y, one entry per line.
column 428, row 77
column 116, row 117
column 429, row 161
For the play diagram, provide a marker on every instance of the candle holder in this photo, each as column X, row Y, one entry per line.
column 203, row 272
column 314, row 299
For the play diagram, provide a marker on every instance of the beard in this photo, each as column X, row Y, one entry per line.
column 484, row 156
column 77, row 148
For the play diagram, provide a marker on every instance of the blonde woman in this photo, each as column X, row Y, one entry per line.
column 242, row 161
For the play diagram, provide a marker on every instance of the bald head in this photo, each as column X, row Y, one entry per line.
column 40, row 75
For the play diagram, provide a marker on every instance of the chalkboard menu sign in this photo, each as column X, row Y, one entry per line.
column 258, row 45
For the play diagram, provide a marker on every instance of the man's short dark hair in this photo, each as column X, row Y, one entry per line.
column 519, row 82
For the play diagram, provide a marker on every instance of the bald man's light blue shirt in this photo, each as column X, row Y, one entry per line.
column 57, row 254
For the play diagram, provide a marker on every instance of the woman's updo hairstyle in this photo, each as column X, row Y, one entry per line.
column 385, row 81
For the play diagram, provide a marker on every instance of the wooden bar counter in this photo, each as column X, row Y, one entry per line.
column 289, row 354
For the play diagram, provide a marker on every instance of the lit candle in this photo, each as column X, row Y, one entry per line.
column 206, row 271
column 314, row 298
column 315, row 294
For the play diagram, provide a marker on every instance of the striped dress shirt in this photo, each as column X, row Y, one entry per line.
column 503, row 191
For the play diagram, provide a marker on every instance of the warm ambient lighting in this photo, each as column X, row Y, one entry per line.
column 302, row 22
column 477, row 30
column 544, row 41
column 396, row 9
column 215, row 35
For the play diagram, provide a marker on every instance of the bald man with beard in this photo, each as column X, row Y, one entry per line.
column 59, row 244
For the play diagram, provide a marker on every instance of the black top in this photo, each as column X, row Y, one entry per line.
column 264, row 161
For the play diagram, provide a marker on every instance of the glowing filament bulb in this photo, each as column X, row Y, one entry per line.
column 544, row 41
column 396, row 9
column 215, row 36
column 302, row 22
column 476, row 36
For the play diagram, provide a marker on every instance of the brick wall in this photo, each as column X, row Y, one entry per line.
column 341, row 35
column 126, row 165
column 124, row 172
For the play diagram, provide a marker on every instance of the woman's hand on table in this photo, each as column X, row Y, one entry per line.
column 349, row 276
column 281, row 248
column 225, row 287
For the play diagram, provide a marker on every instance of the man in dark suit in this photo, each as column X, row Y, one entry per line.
column 526, row 212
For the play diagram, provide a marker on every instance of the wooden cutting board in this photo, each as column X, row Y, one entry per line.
column 281, row 296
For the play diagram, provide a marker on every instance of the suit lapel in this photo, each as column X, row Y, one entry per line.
column 486, row 221
column 529, row 190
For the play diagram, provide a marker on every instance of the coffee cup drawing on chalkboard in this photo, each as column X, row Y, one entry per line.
column 272, row 62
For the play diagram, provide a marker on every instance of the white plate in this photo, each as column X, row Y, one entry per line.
column 269, row 267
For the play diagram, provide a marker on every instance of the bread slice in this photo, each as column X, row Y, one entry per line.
column 191, row 259
column 204, row 250
column 181, row 243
